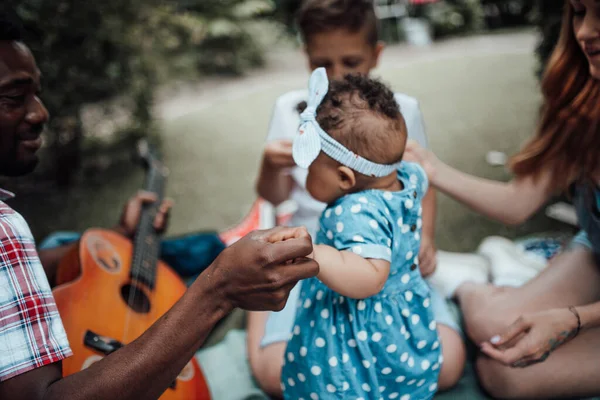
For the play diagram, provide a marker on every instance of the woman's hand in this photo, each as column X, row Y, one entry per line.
column 414, row 152
column 532, row 338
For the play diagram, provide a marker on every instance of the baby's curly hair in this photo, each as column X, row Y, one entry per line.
column 362, row 114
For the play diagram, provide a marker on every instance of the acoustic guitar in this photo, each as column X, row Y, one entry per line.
column 110, row 291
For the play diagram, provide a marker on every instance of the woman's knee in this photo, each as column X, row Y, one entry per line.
column 485, row 313
column 454, row 353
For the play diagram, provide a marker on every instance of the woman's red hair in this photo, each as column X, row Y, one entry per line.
column 567, row 141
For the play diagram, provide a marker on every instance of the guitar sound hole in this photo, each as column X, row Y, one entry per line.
column 135, row 298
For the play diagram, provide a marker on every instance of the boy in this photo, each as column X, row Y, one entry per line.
column 342, row 37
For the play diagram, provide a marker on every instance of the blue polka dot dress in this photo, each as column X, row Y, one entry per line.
column 382, row 347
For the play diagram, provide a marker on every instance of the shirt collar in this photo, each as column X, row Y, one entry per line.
column 6, row 195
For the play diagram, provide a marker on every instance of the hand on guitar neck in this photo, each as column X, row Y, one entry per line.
column 128, row 222
column 130, row 217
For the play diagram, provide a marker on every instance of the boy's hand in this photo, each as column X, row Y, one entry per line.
column 427, row 257
column 278, row 154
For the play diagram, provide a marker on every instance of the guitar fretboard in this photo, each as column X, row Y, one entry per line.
column 147, row 241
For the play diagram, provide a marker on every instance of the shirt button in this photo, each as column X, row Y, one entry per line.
column 415, row 195
column 413, row 267
column 413, row 228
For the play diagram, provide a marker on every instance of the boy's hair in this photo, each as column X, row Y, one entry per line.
column 318, row 16
column 10, row 26
column 362, row 114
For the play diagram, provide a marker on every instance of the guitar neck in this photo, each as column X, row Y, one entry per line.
column 146, row 241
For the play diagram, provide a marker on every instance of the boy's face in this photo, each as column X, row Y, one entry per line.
column 342, row 52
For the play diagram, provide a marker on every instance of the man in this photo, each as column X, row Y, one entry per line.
column 256, row 273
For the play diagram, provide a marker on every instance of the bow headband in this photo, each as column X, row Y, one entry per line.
column 311, row 139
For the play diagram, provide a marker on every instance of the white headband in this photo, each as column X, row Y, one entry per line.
column 311, row 138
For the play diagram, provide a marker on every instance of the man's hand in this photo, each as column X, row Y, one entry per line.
column 132, row 212
column 258, row 272
column 427, row 257
column 278, row 154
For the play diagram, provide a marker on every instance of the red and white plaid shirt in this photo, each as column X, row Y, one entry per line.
column 31, row 331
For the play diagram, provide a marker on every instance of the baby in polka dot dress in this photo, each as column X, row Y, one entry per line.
column 364, row 327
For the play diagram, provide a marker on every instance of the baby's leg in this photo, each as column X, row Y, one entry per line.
column 453, row 346
column 265, row 362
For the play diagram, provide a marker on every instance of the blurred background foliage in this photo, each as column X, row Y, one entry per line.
column 114, row 54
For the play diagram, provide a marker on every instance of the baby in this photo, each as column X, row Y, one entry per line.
column 364, row 327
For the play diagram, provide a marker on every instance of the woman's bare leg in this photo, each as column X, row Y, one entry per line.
column 265, row 362
column 573, row 278
column 454, row 353
column 570, row 372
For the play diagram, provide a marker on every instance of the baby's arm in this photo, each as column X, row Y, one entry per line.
column 349, row 274
column 355, row 260
column 508, row 202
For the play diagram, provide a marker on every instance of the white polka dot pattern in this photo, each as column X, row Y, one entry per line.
column 382, row 347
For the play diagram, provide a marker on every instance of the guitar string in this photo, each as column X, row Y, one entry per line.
column 140, row 254
column 154, row 185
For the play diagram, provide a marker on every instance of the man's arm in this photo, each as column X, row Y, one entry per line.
column 144, row 368
column 141, row 370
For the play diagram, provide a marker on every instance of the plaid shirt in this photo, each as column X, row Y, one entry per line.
column 31, row 331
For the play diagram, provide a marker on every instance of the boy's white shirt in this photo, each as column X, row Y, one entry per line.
column 284, row 125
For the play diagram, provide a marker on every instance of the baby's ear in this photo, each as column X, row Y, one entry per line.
column 346, row 178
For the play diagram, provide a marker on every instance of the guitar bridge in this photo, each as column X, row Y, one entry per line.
column 101, row 344
column 105, row 345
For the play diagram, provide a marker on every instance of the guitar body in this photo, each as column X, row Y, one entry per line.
column 93, row 292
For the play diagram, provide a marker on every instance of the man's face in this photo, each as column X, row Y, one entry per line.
column 22, row 113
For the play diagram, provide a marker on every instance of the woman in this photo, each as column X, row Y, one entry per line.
column 542, row 340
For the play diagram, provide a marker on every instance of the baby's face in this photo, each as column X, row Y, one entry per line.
column 323, row 182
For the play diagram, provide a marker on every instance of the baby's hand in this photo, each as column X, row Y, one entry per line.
column 427, row 257
column 278, row 154
column 292, row 233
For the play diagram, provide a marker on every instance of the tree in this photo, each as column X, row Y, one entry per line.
column 227, row 41
column 99, row 51
column 88, row 52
